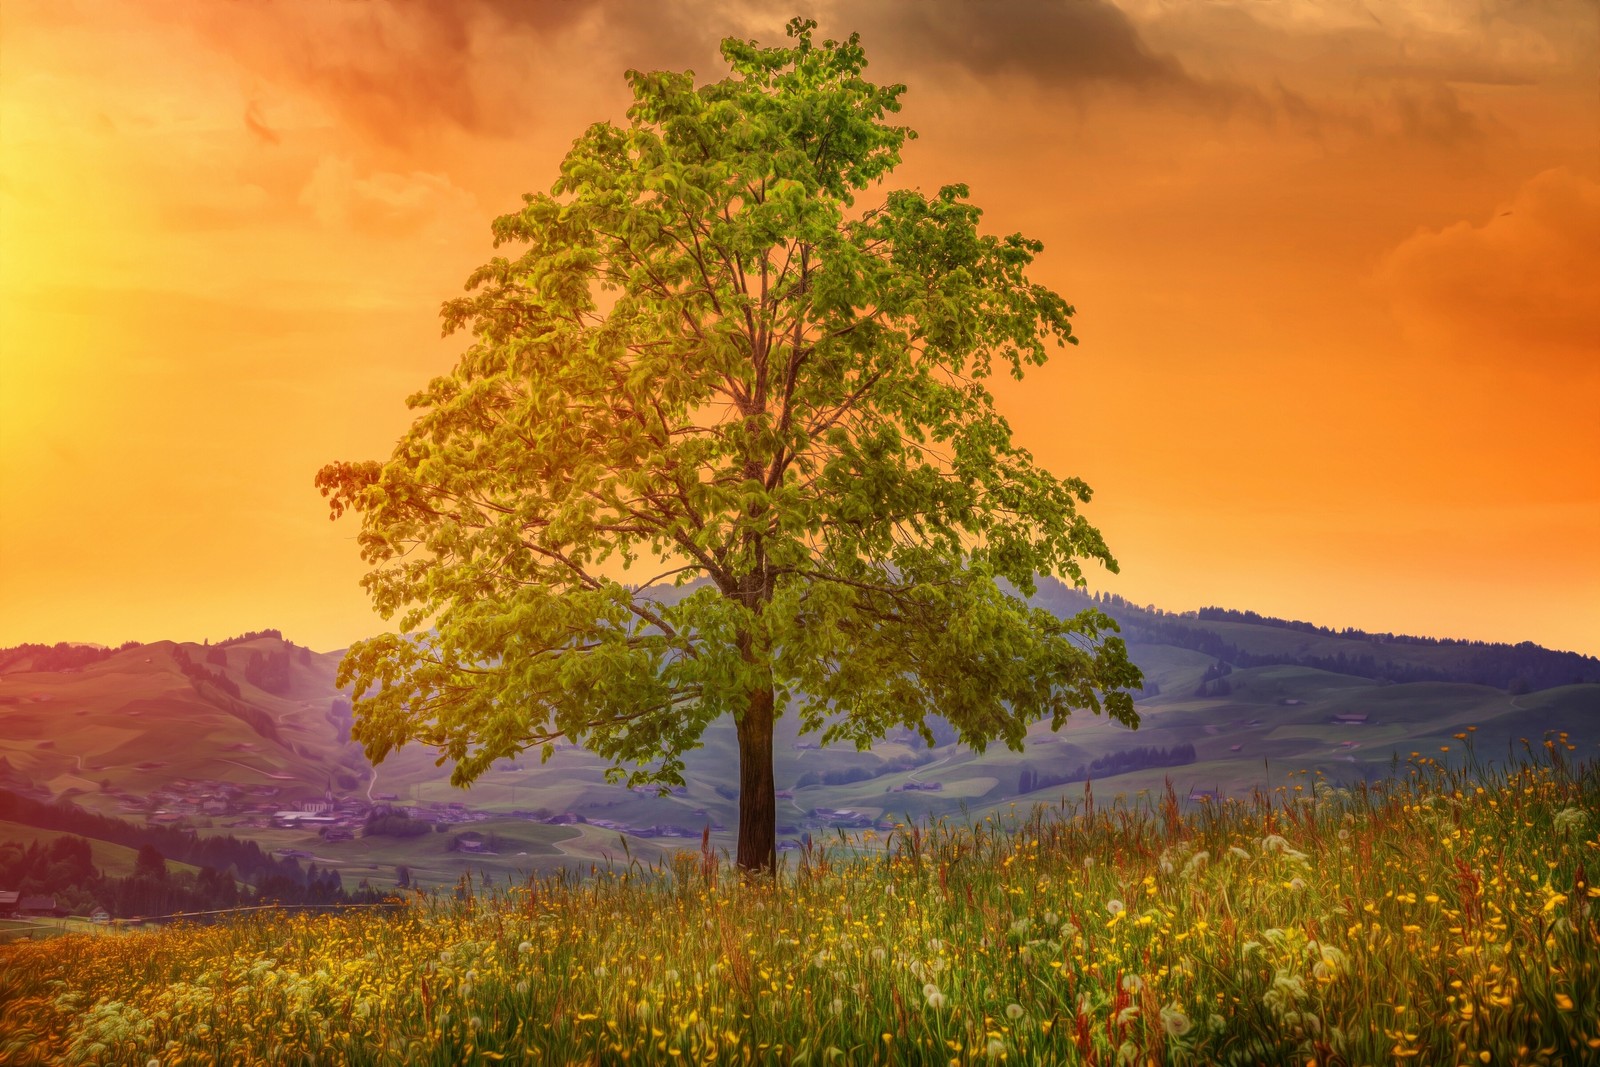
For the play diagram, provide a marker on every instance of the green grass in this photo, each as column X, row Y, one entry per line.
column 108, row 857
column 1442, row 917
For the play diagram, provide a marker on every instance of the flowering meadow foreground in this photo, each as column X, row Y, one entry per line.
column 1444, row 917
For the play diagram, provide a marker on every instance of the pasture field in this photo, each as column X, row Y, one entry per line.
column 110, row 858
column 1442, row 916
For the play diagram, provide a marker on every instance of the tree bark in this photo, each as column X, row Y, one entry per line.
column 758, row 810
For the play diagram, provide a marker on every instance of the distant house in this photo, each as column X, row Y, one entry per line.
column 8, row 902
column 1199, row 794
column 40, row 906
column 1351, row 718
column 471, row 841
column 99, row 915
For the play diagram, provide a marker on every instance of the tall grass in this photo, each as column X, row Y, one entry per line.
column 1442, row 917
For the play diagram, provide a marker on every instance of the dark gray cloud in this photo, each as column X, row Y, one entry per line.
column 1057, row 43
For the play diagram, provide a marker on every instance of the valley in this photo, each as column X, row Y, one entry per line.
column 250, row 739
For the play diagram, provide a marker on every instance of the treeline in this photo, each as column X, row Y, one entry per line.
column 64, row 869
column 200, row 674
column 1517, row 669
column 1520, row 668
column 252, row 635
column 269, row 672
column 389, row 822
column 58, row 657
column 244, row 857
column 847, row 775
column 1214, row 683
column 1108, row 766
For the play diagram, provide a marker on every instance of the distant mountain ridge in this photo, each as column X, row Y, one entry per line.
column 1249, row 639
column 250, row 738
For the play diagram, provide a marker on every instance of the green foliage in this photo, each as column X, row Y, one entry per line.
column 710, row 363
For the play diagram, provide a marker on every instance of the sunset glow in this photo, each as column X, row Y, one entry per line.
column 1336, row 270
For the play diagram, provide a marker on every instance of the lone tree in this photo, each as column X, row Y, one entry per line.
column 712, row 369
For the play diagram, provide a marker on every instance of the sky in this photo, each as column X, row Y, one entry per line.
column 1336, row 266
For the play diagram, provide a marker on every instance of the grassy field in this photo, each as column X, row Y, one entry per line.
column 108, row 857
column 1442, row 917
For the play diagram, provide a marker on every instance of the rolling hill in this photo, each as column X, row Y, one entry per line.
column 220, row 739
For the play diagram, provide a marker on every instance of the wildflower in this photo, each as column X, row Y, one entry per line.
column 1051, row 919
column 1196, row 864
column 525, row 948
column 1115, row 906
column 1127, row 1015
column 878, row 953
column 1132, row 983
column 935, row 999
column 1014, row 1012
column 995, row 1048
column 1237, row 851
column 1174, row 1021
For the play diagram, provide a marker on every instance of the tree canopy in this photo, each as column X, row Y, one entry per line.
column 722, row 444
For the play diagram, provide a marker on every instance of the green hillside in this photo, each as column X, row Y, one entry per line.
column 256, row 725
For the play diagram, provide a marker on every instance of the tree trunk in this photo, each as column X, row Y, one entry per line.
column 758, row 811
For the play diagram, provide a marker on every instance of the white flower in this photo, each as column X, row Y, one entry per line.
column 1014, row 1012
column 1115, row 906
column 1237, row 851
column 995, row 1048
column 525, row 948
column 935, row 999
column 1132, row 983
column 1174, row 1021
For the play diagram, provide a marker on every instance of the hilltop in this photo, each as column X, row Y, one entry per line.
column 226, row 738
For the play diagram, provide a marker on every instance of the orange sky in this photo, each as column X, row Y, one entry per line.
column 1336, row 265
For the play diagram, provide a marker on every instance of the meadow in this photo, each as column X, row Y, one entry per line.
column 1443, row 916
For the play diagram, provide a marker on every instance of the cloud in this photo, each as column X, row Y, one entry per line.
column 1526, row 283
column 382, row 202
column 1434, row 116
column 1056, row 43
column 400, row 70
